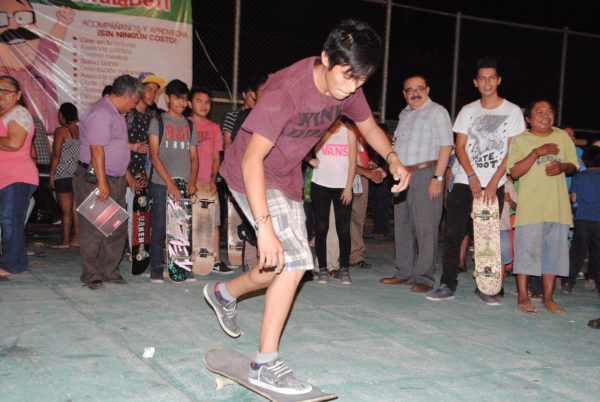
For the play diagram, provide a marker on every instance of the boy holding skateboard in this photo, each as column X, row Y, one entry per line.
column 209, row 159
column 484, row 131
column 173, row 153
column 262, row 170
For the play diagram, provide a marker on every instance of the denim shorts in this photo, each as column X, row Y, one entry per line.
column 541, row 248
column 289, row 224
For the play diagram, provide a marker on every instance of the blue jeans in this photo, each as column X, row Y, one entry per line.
column 14, row 199
column 158, row 218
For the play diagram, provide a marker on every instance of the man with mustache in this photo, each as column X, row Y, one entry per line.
column 423, row 141
column 29, row 58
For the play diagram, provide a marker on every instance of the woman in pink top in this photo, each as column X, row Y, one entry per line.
column 18, row 176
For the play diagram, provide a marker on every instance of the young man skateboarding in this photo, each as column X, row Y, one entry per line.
column 262, row 170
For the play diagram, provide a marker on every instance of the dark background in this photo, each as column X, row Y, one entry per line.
column 275, row 34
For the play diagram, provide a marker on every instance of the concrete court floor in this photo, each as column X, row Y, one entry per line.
column 60, row 341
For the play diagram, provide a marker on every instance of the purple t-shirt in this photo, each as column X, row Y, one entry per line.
column 294, row 115
column 102, row 124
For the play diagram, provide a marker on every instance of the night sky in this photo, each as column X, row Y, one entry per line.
column 276, row 33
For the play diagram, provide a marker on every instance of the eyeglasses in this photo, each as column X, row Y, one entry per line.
column 20, row 17
column 6, row 91
column 410, row 91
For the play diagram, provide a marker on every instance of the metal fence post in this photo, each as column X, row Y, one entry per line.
column 386, row 60
column 561, row 83
column 455, row 65
column 236, row 50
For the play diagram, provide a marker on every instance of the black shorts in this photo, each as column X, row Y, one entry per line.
column 62, row 186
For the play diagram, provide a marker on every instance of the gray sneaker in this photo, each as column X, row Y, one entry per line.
column 345, row 277
column 278, row 377
column 489, row 300
column 442, row 293
column 323, row 276
column 227, row 315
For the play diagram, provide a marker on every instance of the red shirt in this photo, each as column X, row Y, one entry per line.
column 293, row 114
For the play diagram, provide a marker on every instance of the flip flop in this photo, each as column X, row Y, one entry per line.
column 60, row 246
column 552, row 307
column 527, row 307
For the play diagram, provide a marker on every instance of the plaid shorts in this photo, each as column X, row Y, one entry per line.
column 289, row 223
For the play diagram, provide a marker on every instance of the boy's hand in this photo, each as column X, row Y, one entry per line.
column 173, row 191
column 270, row 250
column 546, row 149
column 133, row 184
column 346, row 196
column 191, row 188
column 212, row 187
column 475, row 186
column 554, row 168
column 400, row 173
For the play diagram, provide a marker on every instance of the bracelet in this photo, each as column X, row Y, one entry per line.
column 262, row 218
column 388, row 155
column 469, row 177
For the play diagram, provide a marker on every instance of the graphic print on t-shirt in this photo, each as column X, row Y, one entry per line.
column 177, row 137
column 487, row 144
column 323, row 120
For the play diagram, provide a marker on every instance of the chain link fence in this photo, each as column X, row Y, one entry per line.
column 274, row 34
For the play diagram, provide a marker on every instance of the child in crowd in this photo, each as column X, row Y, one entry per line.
column 173, row 153
column 585, row 190
column 540, row 157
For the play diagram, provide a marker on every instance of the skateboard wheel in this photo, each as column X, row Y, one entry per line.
column 218, row 383
column 472, row 215
column 142, row 201
column 139, row 256
column 475, row 274
column 498, row 275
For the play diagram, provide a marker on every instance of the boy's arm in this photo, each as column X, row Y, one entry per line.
column 191, row 186
column 381, row 143
column 573, row 198
column 253, row 171
column 352, row 156
column 489, row 194
column 523, row 166
column 172, row 190
column 215, row 170
column 465, row 162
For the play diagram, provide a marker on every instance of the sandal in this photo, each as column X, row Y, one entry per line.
column 527, row 307
column 363, row 264
column 552, row 307
column 60, row 246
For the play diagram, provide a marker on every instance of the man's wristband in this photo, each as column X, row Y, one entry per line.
column 388, row 155
column 469, row 177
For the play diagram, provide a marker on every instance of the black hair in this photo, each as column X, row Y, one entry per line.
column 356, row 44
column 529, row 108
column 176, row 87
column 415, row 76
column 486, row 62
column 12, row 81
column 199, row 90
column 591, row 157
column 127, row 85
column 256, row 83
column 68, row 111
column 107, row 90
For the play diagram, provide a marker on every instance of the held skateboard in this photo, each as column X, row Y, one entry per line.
column 140, row 235
column 179, row 234
column 234, row 366
column 486, row 237
column 234, row 243
column 203, row 226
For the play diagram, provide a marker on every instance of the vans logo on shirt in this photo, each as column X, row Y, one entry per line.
column 335, row 150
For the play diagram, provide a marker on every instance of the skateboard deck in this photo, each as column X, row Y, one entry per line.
column 140, row 235
column 486, row 238
column 234, row 243
column 203, row 229
column 179, row 234
column 234, row 365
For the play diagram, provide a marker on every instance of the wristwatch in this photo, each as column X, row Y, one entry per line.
column 438, row 178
